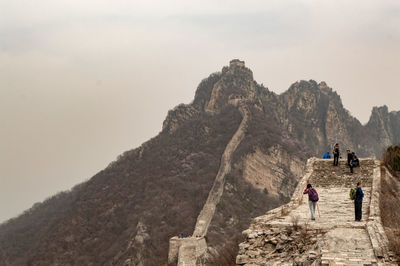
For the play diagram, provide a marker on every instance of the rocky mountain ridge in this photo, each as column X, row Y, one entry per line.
column 126, row 214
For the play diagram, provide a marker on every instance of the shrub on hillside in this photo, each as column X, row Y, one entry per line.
column 391, row 158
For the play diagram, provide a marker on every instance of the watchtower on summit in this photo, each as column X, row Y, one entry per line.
column 236, row 62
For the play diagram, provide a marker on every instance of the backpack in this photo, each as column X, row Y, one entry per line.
column 353, row 192
column 313, row 195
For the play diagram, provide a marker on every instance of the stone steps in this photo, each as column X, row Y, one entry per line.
column 327, row 175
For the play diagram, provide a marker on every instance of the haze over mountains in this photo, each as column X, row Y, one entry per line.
column 72, row 79
column 128, row 211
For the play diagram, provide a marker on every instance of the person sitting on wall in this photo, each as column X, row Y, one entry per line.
column 327, row 156
column 356, row 161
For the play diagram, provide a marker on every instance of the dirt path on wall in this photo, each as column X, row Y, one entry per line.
column 214, row 196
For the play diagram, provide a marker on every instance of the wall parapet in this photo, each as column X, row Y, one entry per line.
column 180, row 248
column 379, row 240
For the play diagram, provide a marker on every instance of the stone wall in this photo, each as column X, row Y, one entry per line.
column 375, row 229
column 181, row 248
column 190, row 251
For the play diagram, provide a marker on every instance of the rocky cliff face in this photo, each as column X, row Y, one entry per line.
column 126, row 213
column 317, row 117
column 384, row 126
column 268, row 171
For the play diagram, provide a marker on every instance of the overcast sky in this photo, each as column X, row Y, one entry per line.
column 83, row 81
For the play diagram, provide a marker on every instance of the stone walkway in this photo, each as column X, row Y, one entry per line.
column 347, row 246
column 336, row 209
column 336, row 238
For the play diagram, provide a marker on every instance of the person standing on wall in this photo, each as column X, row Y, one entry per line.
column 350, row 160
column 358, row 202
column 312, row 199
column 336, row 154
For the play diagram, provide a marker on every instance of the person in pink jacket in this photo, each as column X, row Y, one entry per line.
column 312, row 199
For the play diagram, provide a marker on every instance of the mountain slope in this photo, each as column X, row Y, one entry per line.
column 127, row 212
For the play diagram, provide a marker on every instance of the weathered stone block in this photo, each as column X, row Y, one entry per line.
column 242, row 259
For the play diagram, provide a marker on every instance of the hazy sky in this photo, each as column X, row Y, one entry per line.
column 83, row 81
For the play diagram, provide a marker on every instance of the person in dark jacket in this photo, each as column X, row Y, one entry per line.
column 336, row 154
column 356, row 161
column 350, row 160
column 358, row 202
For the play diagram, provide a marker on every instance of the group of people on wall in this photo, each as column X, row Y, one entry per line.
column 352, row 159
column 356, row 194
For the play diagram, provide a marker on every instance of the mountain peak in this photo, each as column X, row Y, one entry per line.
column 235, row 82
column 324, row 87
column 236, row 63
column 380, row 109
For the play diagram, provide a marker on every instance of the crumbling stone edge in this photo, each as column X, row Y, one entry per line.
column 376, row 232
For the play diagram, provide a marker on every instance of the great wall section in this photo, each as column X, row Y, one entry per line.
column 287, row 236
column 206, row 214
column 191, row 251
